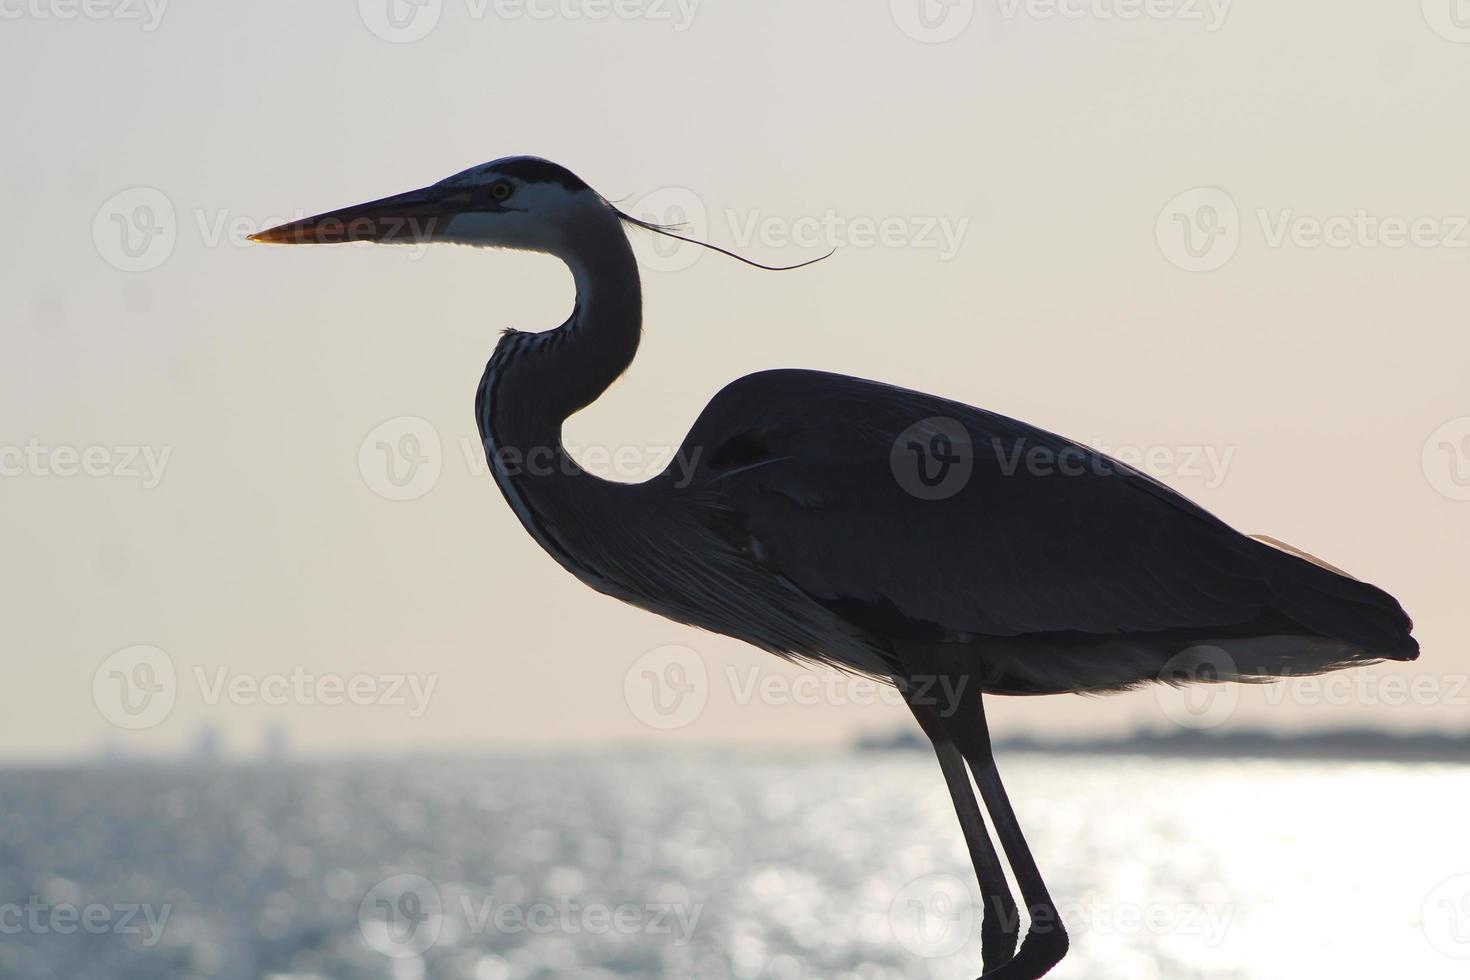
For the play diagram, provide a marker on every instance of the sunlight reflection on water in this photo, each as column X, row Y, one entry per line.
column 756, row 867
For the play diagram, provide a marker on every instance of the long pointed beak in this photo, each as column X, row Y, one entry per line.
column 401, row 219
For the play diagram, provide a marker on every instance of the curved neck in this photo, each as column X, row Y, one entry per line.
column 575, row 363
column 535, row 381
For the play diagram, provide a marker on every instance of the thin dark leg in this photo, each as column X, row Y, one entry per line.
column 1046, row 939
column 1001, row 921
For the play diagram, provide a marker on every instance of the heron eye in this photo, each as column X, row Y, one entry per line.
column 500, row 190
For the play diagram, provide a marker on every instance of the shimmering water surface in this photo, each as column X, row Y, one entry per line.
column 841, row 867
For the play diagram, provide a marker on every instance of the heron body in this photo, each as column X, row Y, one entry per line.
column 854, row 524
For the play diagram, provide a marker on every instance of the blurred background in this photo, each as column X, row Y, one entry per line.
column 291, row 694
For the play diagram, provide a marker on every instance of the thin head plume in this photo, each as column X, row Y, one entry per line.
column 666, row 230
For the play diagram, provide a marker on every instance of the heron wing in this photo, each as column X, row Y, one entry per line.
column 818, row 475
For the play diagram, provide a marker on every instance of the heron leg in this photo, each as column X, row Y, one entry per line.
column 1001, row 920
column 1046, row 939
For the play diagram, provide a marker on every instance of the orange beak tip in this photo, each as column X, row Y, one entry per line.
column 270, row 236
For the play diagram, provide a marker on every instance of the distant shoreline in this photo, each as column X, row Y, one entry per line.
column 1348, row 744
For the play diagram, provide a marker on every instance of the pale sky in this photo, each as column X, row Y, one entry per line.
column 185, row 419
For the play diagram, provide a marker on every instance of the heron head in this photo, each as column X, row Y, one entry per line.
column 515, row 202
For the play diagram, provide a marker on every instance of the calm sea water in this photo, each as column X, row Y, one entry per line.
column 840, row 867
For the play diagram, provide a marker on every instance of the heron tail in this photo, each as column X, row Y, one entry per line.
column 1331, row 603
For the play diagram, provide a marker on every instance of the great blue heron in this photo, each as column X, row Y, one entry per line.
column 946, row 549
